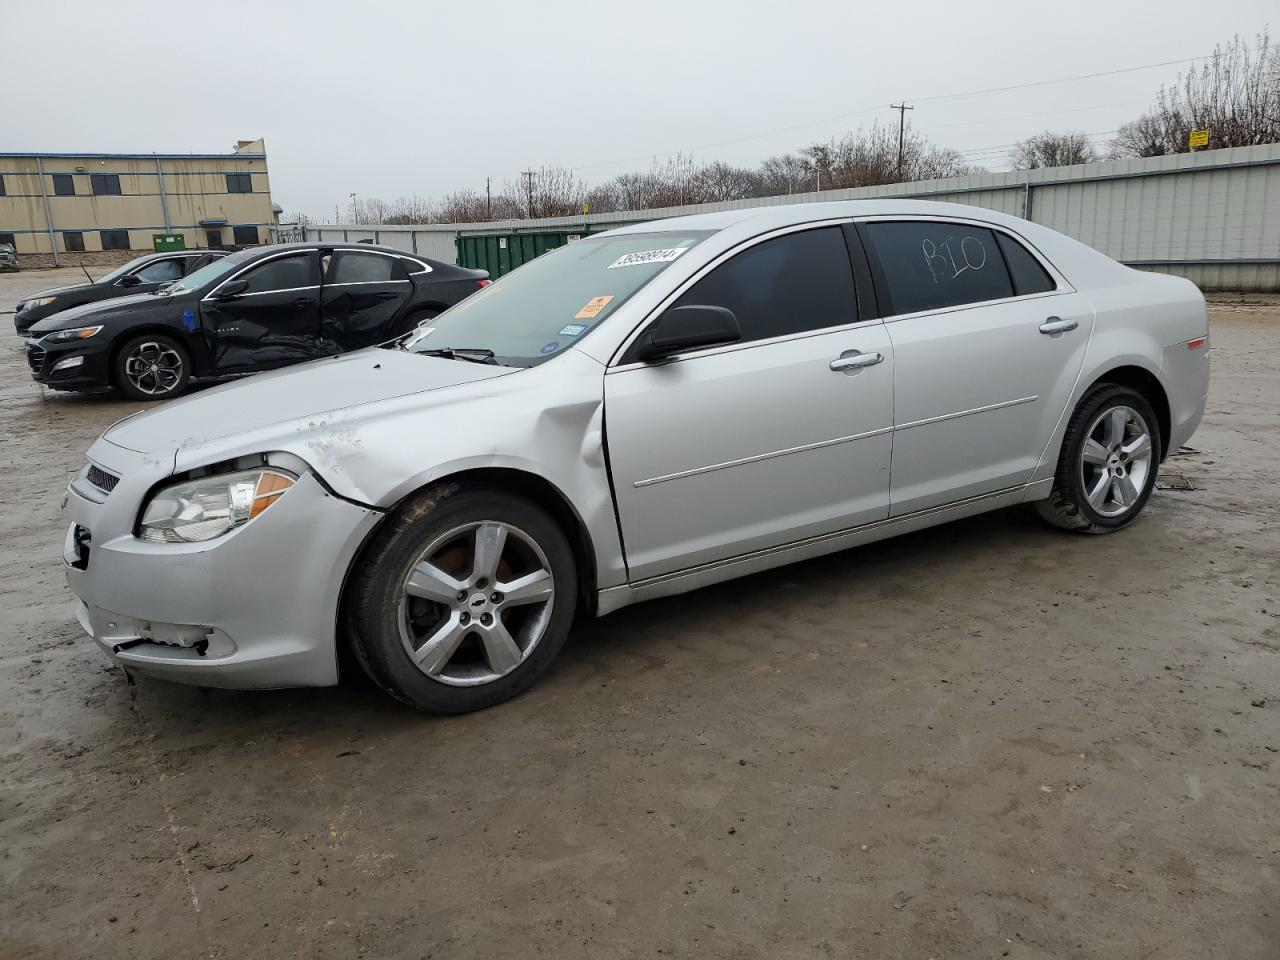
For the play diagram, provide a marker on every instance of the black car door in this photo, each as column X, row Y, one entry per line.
column 364, row 291
column 267, row 315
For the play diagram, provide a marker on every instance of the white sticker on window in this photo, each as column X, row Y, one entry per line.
column 647, row 256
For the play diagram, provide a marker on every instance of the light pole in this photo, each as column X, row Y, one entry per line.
column 355, row 211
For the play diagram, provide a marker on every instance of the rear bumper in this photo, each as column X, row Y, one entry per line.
column 254, row 609
column 1186, row 375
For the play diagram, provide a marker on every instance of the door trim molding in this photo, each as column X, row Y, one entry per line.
column 756, row 458
column 966, row 413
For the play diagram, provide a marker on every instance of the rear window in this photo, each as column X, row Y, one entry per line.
column 931, row 265
column 1027, row 273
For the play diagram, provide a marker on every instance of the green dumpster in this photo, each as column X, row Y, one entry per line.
column 501, row 253
column 168, row 242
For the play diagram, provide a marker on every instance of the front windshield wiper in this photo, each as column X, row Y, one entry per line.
column 471, row 354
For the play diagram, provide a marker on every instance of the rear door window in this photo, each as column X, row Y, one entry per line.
column 1027, row 273
column 932, row 265
column 356, row 267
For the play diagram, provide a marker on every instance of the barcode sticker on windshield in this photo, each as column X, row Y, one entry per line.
column 647, row 256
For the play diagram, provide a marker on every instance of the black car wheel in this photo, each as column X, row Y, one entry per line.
column 416, row 319
column 152, row 367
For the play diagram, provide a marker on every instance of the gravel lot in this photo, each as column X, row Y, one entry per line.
column 991, row 739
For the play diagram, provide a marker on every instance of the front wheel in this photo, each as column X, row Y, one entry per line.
column 152, row 367
column 462, row 599
column 1107, row 468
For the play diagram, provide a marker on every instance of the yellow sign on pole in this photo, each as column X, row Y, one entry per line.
column 1198, row 138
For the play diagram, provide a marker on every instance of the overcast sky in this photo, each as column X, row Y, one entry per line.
column 387, row 99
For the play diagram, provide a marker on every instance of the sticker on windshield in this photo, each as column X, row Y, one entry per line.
column 551, row 347
column 593, row 307
column 571, row 329
column 647, row 256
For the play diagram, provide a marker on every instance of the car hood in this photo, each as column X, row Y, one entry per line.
column 90, row 313
column 272, row 406
column 57, row 291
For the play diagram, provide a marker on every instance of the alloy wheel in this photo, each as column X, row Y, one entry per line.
column 1116, row 460
column 153, row 368
column 476, row 603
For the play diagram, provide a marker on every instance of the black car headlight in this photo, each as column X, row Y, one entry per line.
column 37, row 302
column 192, row 511
column 75, row 333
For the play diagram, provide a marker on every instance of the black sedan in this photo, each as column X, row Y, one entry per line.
column 254, row 310
column 137, row 276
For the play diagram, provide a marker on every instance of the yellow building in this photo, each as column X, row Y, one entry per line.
column 68, row 208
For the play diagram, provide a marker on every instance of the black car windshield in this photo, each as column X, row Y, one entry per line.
column 550, row 303
column 211, row 271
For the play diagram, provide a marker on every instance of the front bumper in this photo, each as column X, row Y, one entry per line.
column 94, row 369
column 254, row 609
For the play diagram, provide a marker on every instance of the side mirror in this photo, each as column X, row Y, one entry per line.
column 229, row 291
column 129, row 280
column 687, row 328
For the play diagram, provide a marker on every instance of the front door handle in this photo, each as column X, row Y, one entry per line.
column 304, row 302
column 1057, row 325
column 852, row 360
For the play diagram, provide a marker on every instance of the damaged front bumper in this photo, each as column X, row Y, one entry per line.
column 256, row 608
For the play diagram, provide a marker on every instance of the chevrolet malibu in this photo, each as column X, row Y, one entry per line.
column 634, row 415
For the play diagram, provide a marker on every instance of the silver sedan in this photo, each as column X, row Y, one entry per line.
column 637, row 414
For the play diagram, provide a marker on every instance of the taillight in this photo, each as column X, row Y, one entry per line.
column 1197, row 343
column 483, row 283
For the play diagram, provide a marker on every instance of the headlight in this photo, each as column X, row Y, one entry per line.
column 37, row 302
column 66, row 336
column 197, row 510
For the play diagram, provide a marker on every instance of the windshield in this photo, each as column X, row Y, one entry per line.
column 210, row 272
column 550, row 303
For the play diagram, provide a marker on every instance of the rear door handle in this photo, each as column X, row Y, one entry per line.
column 1057, row 325
column 388, row 296
column 853, row 360
column 304, row 302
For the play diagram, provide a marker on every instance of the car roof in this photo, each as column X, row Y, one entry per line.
column 788, row 214
column 342, row 245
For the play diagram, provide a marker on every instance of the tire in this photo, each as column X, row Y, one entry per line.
column 415, row 319
column 432, row 635
column 1106, row 471
column 169, row 367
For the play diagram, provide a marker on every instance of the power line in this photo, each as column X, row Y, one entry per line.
column 934, row 99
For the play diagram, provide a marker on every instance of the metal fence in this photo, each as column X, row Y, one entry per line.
column 1212, row 216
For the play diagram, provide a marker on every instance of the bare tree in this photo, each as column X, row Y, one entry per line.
column 1051, row 149
column 1234, row 94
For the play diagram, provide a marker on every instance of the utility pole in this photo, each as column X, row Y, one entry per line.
column 528, row 178
column 488, row 200
column 355, row 211
column 902, row 109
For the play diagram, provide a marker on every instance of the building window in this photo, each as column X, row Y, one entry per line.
column 105, row 184
column 239, row 183
column 244, row 235
column 73, row 241
column 64, row 185
column 114, row 239
column 1, row 186
column 8, row 238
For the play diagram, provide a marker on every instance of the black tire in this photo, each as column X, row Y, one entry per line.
column 414, row 319
column 166, row 386
column 1069, row 506
column 380, row 618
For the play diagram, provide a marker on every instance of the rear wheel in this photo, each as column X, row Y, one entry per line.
column 462, row 600
column 1107, row 467
column 152, row 367
column 417, row 319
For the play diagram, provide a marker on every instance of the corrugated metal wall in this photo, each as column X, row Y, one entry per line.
column 1212, row 216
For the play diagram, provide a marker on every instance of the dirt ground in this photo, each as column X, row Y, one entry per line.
column 991, row 739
